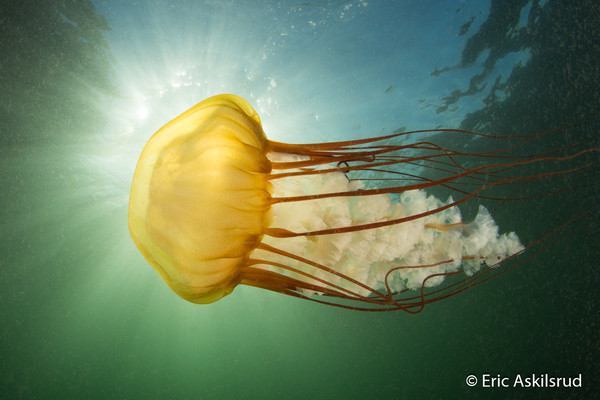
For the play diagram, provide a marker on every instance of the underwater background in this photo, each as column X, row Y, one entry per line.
column 85, row 84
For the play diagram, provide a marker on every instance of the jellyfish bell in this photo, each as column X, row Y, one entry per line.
column 199, row 201
column 215, row 204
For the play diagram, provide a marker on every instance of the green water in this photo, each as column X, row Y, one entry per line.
column 83, row 316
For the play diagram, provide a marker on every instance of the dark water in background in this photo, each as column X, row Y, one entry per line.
column 83, row 316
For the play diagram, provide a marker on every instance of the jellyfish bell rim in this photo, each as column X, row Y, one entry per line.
column 232, row 128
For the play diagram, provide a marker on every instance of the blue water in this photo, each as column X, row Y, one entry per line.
column 82, row 314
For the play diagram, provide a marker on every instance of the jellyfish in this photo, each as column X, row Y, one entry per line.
column 215, row 204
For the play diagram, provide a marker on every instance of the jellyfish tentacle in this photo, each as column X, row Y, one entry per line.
column 274, row 250
column 447, row 227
